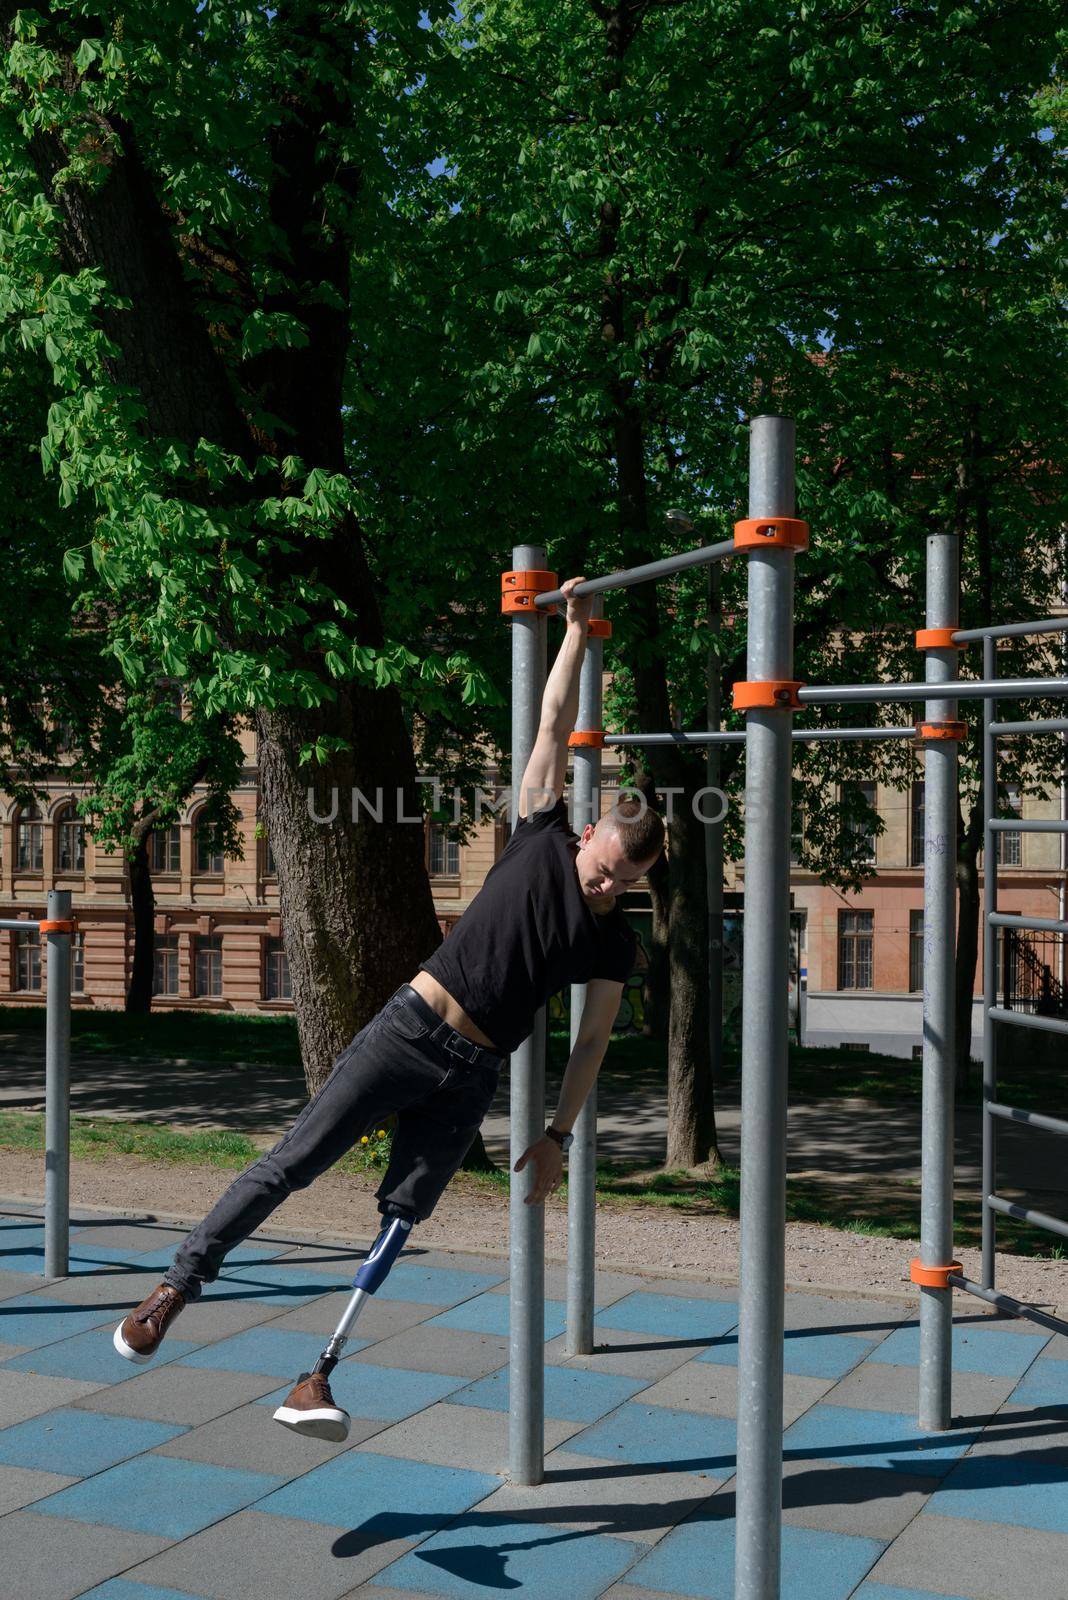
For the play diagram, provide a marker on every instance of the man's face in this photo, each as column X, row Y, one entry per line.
column 603, row 870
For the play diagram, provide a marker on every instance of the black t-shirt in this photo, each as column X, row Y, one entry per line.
column 529, row 932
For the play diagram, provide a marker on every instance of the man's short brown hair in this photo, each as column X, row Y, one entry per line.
column 639, row 827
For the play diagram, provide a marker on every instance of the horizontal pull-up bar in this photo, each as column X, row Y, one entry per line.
column 1009, row 1303
column 1037, row 1219
column 1048, row 725
column 629, row 576
column 800, row 736
column 1024, row 1019
column 1031, row 825
column 1034, row 1119
column 1013, row 630
column 1003, row 919
column 955, row 689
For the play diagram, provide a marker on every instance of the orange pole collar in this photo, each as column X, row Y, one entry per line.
column 932, row 1277
column 937, row 639
column 54, row 926
column 518, row 589
column 762, row 533
column 587, row 736
column 769, row 694
column 599, row 628
column 939, row 732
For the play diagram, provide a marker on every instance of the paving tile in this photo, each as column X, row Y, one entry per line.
column 987, row 1561
column 1044, row 1384
column 689, row 1288
column 378, row 1319
column 482, row 1555
column 1025, row 1490
column 493, row 1267
column 250, row 1438
column 435, row 1349
column 807, row 1353
column 162, row 1256
column 631, row 1355
column 159, row 1494
column 448, row 1435
column 570, row 1392
column 672, row 1317
column 830, row 1314
column 206, row 1321
column 92, row 1358
column 115, row 1290
column 139, row 1236
column 175, row 1394
column 676, row 1441
column 603, row 1496
column 874, row 1386
column 1041, row 1433
column 698, row 1559
column 75, row 1443
column 27, row 1394
column 704, row 1386
column 11, row 1284
column 36, row 1319
column 630, row 1591
column 20, row 1486
column 437, row 1286
column 382, row 1393
column 608, row 1286
column 380, row 1497
column 89, row 1258
column 124, row 1589
column 488, row 1313
column 874, row 1439
column 874, row 1502
column 975, row 1349
column 271, row 1350
column 871, row 1590
column 254, row 1556
column 278, row 1286
column 79, row 1555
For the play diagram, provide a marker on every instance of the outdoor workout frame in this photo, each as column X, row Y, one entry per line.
column 770, row 538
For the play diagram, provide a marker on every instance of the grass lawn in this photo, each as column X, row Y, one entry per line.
column 167, row 1035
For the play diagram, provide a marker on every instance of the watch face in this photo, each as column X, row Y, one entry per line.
column 567, row 1141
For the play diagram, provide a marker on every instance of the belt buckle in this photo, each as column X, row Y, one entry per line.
column 461, row 1046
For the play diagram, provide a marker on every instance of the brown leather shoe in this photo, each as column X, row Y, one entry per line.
column 309, row 1408
column 138, row 1336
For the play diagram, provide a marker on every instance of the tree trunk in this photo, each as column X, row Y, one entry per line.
column 143, row 904
column 658, row 978
column 691, row 1129
column 478, row 1158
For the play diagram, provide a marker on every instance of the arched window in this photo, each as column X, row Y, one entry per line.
column 166, row 850
column 209, row 859
column 70, row 840
column 29, row 839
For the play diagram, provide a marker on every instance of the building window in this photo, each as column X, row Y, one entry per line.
column 855, row 940
column 208, row 968
column 276, row 985
column 918, row 825
column 77, row 963
column 29, row 839
column 443, row 853
column 166, row 851
column 861, row 830
column 165, row 975
column 70, row 841
column 28, row 961
column 1010, row 845
column 209, row 859
column 797, row 838
column 915, row 951
column 270, row 870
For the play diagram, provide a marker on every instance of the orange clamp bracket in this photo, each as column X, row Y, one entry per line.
column 54, row 926
column 932, row 1277
column 756, row 533
column 936, row 639
column 518, row 589
column 775, row 694
column 587, row 736
column 939, row 732
column 599, row 628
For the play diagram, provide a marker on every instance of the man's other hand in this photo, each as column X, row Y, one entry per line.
column 547, row 1160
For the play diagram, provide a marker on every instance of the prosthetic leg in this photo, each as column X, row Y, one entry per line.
column 309, row 1408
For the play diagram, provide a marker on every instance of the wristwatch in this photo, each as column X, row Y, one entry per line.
column 564, row 1140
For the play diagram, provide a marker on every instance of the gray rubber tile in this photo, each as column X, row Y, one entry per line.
column 631, row 1355
column 183, row 1395
column 609, row 1285
column 128, row 1235
column 607, row 1497
column 871, row 1502
column 250, row 1440
column 875, row 1386
column 28, row 1394
column 688, row 1288
column 630, row 1591
column 7, row 1351
column 12, row 1283
column 259, row 1556
column 203, row 1321
column 980, row 1560
column 110, row 1287
column 460, row 1436
column 20, row 1486
column 834, row 1315
column 487, row 1266
column 704, row 1386
column 80, row 1555
column 378, row 1319
column 1037, row 1431
column 445, row 1350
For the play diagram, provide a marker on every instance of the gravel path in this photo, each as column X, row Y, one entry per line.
column 632, row 1239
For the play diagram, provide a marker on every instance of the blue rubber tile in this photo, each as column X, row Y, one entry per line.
column 165, row 1495
column 698, row 1559
column 670, row 1316
column 1015, row 1489
column 870, row 1590
column 989, row 1350
column 91, row 1357
column 77, row 1443
column 272, row 1285
column 285, row 1351
column 127, row 1589
column 570, row 1393
column 1046, row 1384
column 805, row 1355
column 434, row 1286
column 32, row 1320
column 386, row 1394
column 678, row 1441
column 238, row 1256
column 380, row 1497
column 88, row 1259
column 487, row 1555
column 488, row 1313
column 874, row 1439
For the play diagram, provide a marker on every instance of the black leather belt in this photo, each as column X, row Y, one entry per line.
column 444, row 1034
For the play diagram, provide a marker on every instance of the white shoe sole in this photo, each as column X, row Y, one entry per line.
column 125, row 1350
column 327, row 1422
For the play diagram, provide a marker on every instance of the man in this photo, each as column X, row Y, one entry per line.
column 545, row 917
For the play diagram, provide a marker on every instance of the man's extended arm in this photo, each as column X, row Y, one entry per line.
column 546, row 771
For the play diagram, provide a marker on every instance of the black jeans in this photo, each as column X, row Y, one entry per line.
column 406, row 1060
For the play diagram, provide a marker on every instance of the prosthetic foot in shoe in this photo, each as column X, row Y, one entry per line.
column 310, row 1408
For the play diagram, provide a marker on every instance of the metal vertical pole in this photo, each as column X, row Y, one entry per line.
column 714, row 839
column 582, row 1160
column 526, row 1344
column 57, row 1089
column 990, row 962
column 939, row 968
column 768, row 749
